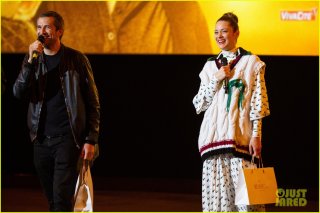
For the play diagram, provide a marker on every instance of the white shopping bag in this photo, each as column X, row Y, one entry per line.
column 83, row 196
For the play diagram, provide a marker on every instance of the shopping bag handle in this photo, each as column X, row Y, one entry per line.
column 260, row 163
column 83, row 170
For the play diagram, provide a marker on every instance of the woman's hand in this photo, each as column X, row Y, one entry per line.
column 255, row 146
column 224, row 72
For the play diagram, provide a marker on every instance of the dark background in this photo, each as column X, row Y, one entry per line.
column 149, row 128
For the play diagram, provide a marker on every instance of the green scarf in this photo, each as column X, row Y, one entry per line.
column 238, row 84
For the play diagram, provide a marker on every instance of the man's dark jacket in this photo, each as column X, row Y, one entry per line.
column 79, row 89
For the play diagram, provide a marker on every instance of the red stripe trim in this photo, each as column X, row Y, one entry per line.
column 223, row 143
column 215, row 144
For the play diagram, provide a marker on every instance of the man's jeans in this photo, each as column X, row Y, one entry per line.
column 55, row 160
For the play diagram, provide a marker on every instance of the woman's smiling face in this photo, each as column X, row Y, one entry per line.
column 225, row 35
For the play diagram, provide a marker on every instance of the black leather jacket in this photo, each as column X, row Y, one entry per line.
column 79, row 89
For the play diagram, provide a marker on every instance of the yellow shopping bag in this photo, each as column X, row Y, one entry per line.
column 256, row 186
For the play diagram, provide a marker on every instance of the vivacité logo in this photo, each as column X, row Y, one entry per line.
column 310, row 15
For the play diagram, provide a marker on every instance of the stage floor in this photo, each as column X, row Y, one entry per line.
column 23, row 194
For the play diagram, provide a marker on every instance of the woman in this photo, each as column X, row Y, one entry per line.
column 234, row 96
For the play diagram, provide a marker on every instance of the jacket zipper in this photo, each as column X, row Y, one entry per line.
column 39, row 115
column 68, row 112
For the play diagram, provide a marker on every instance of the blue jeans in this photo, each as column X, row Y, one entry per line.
column 55, row 160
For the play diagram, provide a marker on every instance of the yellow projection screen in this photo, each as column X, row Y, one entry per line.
column 166, row 27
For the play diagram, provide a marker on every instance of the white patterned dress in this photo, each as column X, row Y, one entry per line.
column 219, row 181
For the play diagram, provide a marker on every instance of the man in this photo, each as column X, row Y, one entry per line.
column 64, row 109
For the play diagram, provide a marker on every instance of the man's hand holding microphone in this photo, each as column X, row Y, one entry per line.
column 36, row 48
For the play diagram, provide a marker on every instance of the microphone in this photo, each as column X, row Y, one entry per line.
column 224, row 62
column 35, row 54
